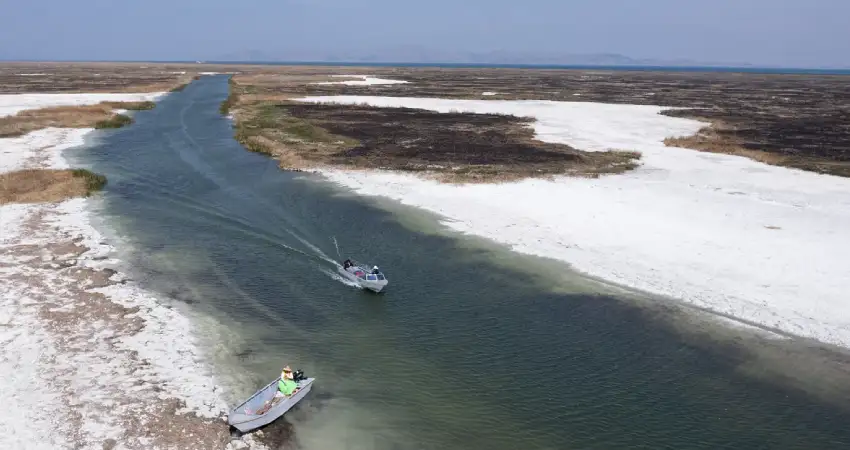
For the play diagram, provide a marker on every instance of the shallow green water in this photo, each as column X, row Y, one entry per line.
column 464, row 351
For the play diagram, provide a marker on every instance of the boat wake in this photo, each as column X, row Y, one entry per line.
column 343, row 280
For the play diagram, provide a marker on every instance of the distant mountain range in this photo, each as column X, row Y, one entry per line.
column 420, row 55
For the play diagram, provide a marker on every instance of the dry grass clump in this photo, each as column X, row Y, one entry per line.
column 720, row 138
column 116, row 121
column 297, row 143
column 75, row 116
column 48, row 185
column 230, row 101
column 131, row 106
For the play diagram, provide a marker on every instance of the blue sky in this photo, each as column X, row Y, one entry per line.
column 803, row 33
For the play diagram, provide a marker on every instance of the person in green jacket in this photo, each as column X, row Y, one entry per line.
column 287, row 385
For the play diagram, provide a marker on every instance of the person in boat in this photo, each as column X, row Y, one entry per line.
column 287, row 385
column 346, row 264
column 375, row 270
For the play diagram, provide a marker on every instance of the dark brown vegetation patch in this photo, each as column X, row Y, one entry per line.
column 453, row 147
column 461, row 146
column 792, row 120
column 770, row 140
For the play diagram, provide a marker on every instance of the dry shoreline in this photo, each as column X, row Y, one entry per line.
column 91, row 360
column 102, row 387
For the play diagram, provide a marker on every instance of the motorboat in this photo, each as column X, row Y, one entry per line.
column 372, row 279
column 268, row 404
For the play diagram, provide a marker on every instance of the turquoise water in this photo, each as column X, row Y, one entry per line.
column 469, row 348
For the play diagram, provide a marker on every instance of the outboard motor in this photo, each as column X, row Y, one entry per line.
column 298, row 375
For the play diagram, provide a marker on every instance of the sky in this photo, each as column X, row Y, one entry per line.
column 790, row 33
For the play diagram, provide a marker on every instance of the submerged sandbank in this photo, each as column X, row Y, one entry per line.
column 90, row 359
column 762, row 243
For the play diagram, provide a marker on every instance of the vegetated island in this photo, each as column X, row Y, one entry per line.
column 451, row 147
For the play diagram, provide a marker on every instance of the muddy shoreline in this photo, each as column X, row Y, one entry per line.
column 127, row 395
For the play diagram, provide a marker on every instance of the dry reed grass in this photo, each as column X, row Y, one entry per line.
column 47, row 185
column 719, row 137
column 100, row 115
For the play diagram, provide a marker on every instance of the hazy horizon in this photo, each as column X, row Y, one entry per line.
column 778, row 33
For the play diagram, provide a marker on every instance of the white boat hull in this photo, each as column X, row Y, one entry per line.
column 375, row 286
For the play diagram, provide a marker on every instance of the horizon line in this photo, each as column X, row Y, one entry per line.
column 634, row 66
